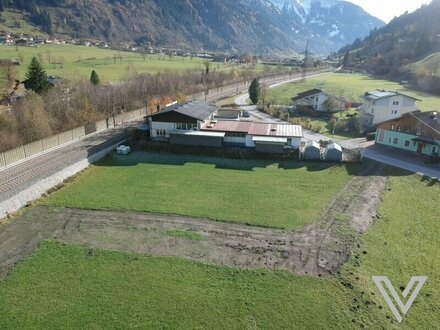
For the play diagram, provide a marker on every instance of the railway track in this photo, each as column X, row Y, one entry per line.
column 22, row 175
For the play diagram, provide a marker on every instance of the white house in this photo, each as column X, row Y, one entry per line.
column 178, row 118
column 381, row 105
column 314, row 99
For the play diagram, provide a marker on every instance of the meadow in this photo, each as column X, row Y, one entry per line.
column 69, row 286
column 73, row 62
column 350, row 87
column 264, row 193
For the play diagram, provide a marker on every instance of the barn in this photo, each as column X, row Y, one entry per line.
column 312, row 150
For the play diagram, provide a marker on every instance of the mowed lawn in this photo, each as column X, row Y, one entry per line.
column 261, row 193
column 350, row 87
column 67, row 287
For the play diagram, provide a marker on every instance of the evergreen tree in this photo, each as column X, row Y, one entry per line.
column 347, row 59
column 36, row 77
column 254, row 91
column 94, row 78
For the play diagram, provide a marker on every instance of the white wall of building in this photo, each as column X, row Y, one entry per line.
column 295, row 142
column 389, row 108
column 318, row 102
column 157, row 125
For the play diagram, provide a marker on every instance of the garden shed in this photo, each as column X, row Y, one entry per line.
column 312, row 151
column 333, row 152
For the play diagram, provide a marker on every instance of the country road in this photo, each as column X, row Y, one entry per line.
column 252, row 109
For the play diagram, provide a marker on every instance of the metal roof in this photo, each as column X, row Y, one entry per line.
column 228, row 126
column 275, row 129
column 195, row 109
column 199, row 133
column 269, row 139
column 261, row 129
column 382, row 94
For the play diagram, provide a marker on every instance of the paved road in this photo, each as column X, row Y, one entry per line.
column 16, row 178
column 403, row 160
column 252, row 109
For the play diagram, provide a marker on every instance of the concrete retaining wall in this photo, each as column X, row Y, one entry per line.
column 39, row 188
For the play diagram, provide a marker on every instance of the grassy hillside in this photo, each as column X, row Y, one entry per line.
column 72, row 62
column 430, row 63
column 14, row 21
column 75, row 287
column 351, row 87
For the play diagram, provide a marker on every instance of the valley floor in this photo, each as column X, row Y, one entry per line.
column 109, row 268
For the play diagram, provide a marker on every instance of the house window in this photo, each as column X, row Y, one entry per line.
column 395, row 140
column 392, row 127
column 406, row 143
column 433, row 150
column 185, row 127
column 395, row 102
column 418, row 132
column 161, row 132
column 398, row 128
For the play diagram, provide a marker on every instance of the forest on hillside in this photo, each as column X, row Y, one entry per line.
column 391, row 51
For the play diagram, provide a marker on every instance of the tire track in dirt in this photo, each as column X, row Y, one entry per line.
column 318, row 249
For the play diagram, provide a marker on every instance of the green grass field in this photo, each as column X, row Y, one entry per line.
column 79, row 61
column 65, row 287
column 350, row 87
column 62, row 286
column 255, row 192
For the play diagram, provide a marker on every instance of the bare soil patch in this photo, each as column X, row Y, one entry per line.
column 318, row 249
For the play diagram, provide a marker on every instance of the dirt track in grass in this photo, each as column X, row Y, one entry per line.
column 318, row 249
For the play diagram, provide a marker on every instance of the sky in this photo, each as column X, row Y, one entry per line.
column 387, row 9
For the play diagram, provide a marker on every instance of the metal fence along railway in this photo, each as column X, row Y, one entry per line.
column 32, row 149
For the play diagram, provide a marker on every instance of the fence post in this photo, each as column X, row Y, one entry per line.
column 24, row 151
column 4, row 158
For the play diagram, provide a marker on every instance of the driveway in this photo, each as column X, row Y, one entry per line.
column 242, row 99
column 401, row 159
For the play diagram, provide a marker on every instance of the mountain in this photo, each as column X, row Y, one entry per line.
column 339, row 21
column 405, row 49
column 258, row 26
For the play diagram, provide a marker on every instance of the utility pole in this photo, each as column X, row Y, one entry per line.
column 305, row 63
